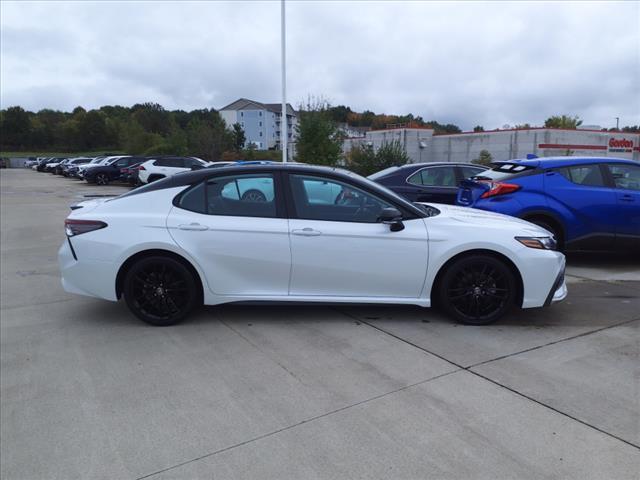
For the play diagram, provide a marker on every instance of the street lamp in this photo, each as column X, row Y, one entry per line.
column 283, row 113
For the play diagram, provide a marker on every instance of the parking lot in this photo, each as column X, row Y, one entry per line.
column 89, row 391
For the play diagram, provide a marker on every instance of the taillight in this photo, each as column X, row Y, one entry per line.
column 499, row 188
column 141, row 167
column 76, row 227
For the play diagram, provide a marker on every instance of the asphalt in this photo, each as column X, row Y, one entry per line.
column 87, row 391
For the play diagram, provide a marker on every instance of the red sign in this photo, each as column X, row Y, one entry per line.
column 620, row 143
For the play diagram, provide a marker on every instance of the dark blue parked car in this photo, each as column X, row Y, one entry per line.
column 587, row 203
column 435, row 182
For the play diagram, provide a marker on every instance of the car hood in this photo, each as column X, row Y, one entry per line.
column 478, row 217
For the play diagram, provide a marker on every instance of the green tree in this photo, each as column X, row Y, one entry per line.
column 15, row 130
column 478, row 128
column 563, row 121
column 238, row 137
column 319, row 139
column 153, row 118
column 364, row 160
column 484, row 158
column 92, row 130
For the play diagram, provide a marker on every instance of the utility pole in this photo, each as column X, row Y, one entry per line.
column 283, row 113
column 617, row 118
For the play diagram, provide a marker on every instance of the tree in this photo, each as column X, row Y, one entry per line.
column 319, row 139
column 92, row 130
column 484, row 158
column 153, row 118
column 478, row 128
column 563, row 121
column 15, row 130
column 238, row 137
column 364, row 160
column 522, row 126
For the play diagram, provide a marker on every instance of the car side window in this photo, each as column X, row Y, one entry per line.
column 434, row 177
column 625, row 176
column 250, row 195
column 587, row 175
column 242, row 195
column 319, row 198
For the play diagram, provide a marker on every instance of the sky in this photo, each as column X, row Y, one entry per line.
column 467, row 63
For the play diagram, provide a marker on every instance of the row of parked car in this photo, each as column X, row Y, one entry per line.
column 585, row 202
column 134, row 170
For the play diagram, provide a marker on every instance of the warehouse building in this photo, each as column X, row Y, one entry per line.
column 422, row 145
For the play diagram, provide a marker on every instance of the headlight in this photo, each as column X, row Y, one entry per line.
column 541, row 243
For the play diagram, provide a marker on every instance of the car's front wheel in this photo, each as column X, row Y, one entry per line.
column 477, row 289
column 102, row 179
column 161, row 290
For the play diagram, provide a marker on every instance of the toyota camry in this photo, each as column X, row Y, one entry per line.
column 302, row 233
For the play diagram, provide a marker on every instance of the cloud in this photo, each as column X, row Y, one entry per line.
column 467, row 63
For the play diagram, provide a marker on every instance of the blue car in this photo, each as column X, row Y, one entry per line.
column 587, row 203
column 435, row 182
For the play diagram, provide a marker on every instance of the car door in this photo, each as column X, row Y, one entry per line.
column 437, row 184
column 241, row 244
column 340, row 249
column 626, row 180
column 587, row 203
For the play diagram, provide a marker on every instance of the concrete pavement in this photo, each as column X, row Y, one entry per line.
column 87, row 391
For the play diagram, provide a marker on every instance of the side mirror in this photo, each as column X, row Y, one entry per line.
column 392, row 217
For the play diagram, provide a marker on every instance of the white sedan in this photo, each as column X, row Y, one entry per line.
column 287, row 232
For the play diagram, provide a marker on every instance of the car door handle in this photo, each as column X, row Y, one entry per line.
column 307, row 232
column 627, row 198
column 196, row 227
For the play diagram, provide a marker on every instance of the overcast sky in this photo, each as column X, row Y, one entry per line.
column 465, row 63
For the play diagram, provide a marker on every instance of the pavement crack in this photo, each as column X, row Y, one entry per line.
column 302, row 422
column 573, row 337
column 266, row 354
column 512, row 390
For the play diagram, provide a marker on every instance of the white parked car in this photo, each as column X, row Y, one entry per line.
column 163, row 167
column 314, row 234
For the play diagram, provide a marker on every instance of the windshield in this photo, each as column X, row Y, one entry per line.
column 375, row 185
column 382, row 173
column 504, row 171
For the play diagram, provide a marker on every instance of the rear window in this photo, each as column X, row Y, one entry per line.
column 505, row 171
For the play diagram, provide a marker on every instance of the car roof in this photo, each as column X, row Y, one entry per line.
column 195, row 176
column 552, row 162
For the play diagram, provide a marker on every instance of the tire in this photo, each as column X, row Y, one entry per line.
column 101, row 179
column 254, row 196
column 547, row 225
column 477, row 290
column 148, row 296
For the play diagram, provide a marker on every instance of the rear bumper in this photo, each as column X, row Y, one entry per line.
column 84, row 277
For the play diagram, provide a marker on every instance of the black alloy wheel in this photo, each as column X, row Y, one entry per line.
column 477, row 290
column 253, row 196
column 102, row 179
column 161, row 290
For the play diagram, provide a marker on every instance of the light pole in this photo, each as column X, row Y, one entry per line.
column 617, row 118
column 283, row 113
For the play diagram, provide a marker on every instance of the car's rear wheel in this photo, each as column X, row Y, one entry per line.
column 153, row 178
column 477, row 289
column 102, row 179
column 160, row 290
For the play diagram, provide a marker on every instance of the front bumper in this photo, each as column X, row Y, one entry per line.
column 559, row 289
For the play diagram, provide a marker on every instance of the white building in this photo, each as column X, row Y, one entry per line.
column 422, row 145
column 260, row 122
